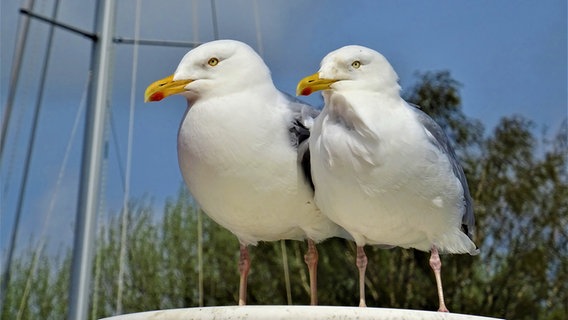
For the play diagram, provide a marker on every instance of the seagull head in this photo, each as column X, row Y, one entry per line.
column 351, row 68
column 212, row 69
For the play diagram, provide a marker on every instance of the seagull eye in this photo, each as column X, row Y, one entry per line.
column 213, row 62
column 356, row 64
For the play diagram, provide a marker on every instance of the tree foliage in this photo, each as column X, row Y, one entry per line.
column 519, row 184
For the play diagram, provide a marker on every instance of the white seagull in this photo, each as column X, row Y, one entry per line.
column 383, row 169
column 238, row 150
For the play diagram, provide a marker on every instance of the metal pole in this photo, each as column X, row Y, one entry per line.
column 200, row 256
column 29, row 155
column 85, row 225
column 160, row 43
column 214, row 20
column 53, row 22
column 15, row 74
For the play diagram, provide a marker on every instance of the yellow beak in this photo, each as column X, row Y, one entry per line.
column 313, row 83
column 164, row 88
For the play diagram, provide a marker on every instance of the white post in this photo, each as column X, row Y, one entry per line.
column 85, row 225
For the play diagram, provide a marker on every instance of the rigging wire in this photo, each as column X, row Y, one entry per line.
column 126, row 198
column 23, row 29
column 60, row 176
column 195, row 20
column 28, row 158
column 286, row 272
column 214, row 20
column 17, row 60
column 10, row 166
column 257, row 28
column 200, row 275
column 114, row 138
column 285, row 265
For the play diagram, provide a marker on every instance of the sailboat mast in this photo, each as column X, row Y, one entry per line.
column 85, row 225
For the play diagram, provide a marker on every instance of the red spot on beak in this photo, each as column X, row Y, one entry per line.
column 307, row 91
column 157, row 96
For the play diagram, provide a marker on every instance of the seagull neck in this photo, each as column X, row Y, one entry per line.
column 190, row 100
column 263, row 88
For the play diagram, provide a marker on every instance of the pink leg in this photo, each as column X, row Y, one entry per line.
column 244, row 267
column 362, row 266
column 311, row 259
column 436, row 265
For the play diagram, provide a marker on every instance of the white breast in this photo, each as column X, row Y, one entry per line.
column 242, row 170
column 390, row 187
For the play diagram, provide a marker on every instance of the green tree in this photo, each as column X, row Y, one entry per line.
column 39, row 286
column 522, row 202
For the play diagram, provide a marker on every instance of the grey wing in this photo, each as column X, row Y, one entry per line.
column 439, row 138
column 302, row 111
column 303, row 116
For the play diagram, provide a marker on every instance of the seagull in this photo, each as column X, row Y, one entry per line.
column 243, row 151
column 382, row 169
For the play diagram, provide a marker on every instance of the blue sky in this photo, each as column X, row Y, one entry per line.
column 510, row 57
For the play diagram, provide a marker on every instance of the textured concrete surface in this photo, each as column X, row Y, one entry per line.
column 293, row 312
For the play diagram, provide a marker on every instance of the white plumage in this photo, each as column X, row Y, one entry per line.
column 237, row 149
column 382, row 169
